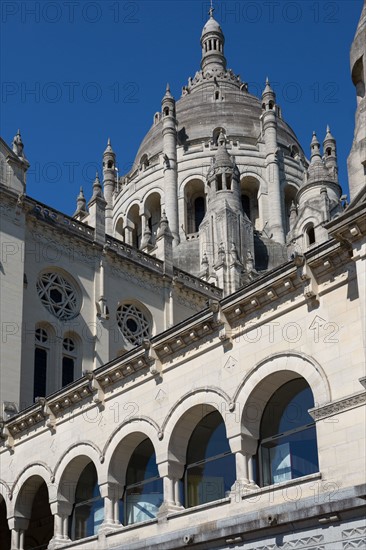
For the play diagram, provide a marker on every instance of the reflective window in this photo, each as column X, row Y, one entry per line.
column 210, row 469
column 88, row 513
column 68, row 361
column 143, row 492
column 288, row 447
column 40, row 363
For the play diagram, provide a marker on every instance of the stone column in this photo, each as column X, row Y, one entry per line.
column 111, row 492
column 273, row 175
column 244, row 446
column 17, row 526
column 61, row 510
column 171, row 472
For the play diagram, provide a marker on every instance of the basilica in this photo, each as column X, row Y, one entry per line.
column 183, row 359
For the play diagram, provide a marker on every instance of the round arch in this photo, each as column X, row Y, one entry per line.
column 186, row 180
column 133, row 228
column 70, row 466
column 28, row 489
column 38, row 470
column 185, row 415
column 118, row 230
column 267, row 376
column 194, row 203
column 122, row 444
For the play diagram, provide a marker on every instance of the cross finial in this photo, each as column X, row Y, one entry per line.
column 212, row 9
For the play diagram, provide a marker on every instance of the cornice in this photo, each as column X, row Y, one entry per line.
column 338, row 406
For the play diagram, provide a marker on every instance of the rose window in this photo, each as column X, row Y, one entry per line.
column 132, row 323
column 58, row 295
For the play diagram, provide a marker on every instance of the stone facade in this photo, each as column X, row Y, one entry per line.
column 186, row 302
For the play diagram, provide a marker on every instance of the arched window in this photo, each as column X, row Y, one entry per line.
column 40, row 527
column 5, row 534
column 289, row 199
column 288, row 447
column 152, row 210
column 119, row 233
column 195, row 205
column 41, row 352
column 249, row 198
column 69, row 355
column 133, row 229
column 245, row 202
column 32, row 503
column 216, row 133
column 210, row 466
column 199, row 211
column 310, row 232
column 88, row 511
column 143, row 493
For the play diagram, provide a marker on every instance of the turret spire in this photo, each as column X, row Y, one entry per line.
column 315, row 148
column 212, row 42
column 97, row 188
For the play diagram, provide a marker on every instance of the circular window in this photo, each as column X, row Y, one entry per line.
column 68, row 344
column 41, row 336
column 132, row 323
column 58, row 295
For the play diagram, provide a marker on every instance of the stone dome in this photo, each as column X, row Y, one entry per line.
column 199, row 114
column 211, row 26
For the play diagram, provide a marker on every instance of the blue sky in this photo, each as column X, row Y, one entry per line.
column 76, row 72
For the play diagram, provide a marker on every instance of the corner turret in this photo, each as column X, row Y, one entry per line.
column 109, row 184
column 97, row 206
column 170, row 162
column 269, row 130
column 357, row 157
column 330, row 154
column 81, row 211
column 318, row 199
column 225, row 233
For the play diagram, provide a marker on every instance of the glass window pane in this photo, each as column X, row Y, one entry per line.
column 40, row 373
column 67, row 371
column 142, row 464
column 142, row 502
column 290, row 457
column 88, row 517
column 288, row 408
column 208, row 439
column 210, row 481
column 288, row 447
column 89, row 506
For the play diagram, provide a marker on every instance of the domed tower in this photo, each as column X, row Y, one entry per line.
column 226, row 234
column 212, row 42
column 318, row 200
column 216, row 118
column 357, row 156
column 330, row 154
column 109, row 185
column 269, row 123
column 169, row 131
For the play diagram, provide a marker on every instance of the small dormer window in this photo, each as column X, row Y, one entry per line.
column 271, row 105
column 217, row 95
column 166, row 111
column 329, row 151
